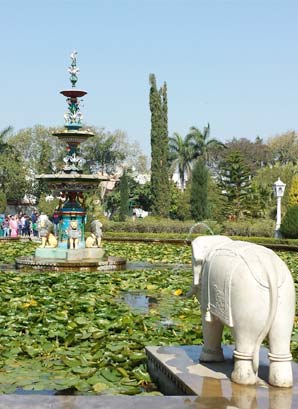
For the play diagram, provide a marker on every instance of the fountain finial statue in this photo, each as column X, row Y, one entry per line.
column 73, row 69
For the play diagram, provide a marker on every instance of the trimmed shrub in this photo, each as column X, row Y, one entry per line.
column 160, row 225
column 250, row 228
column 289, row 225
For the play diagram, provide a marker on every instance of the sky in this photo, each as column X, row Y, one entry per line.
column 230, row 63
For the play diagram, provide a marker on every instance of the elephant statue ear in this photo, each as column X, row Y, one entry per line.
column 202, row 245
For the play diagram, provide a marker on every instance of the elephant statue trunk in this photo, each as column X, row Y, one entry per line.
column 250, row 289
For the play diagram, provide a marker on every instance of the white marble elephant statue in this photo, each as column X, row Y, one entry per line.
column 250, row 289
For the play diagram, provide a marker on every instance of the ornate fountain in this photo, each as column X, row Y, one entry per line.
column 70, row 251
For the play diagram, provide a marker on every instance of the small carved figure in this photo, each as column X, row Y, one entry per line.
column 94, row 240
column 45, row 228
column 74, row 234
column 73, row 57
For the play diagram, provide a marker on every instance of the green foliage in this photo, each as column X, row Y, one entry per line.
column 82, row 335
column 181, row 156
column 255, row 154
column 201, row 143
column 47, row 206
column 180, row 203
column 289, row 224
column 198, row 195
column 138, row 195
column 93, row 209
column 250, row 228
column 40, row 151
column 159, row 149
column 284, row 148
column 152, row 224
column 267, row 176
column 13, row 180
column 104, row 151
column 124, row 196
column 3, row 202
column 293, row 192
column 217, row 202
column 141, row 195
column 235, row 183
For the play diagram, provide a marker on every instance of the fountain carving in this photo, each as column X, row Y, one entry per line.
column 72, row 252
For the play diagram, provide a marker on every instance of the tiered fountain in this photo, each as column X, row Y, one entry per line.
column 70, row 251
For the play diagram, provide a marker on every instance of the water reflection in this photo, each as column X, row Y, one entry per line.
column 140, row 302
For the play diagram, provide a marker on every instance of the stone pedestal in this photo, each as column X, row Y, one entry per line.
column 177, row 371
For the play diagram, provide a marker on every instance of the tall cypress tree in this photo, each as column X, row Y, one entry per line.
column 124, row 197
column 198, row 194
column 159, row 149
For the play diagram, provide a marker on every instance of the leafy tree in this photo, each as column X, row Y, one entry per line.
column 13, row 176
column 112, row 202
column 284, row 148
column 124, row 197
column 106, row 151
column 235, row 183
column 289, row 223
column 94, row 209
column 41, row 151
column 181, row 154
column 3, row 202
column 141, row 195
column 4, row 134
column 255, row 154
column 217, row 202
column 103, row 152
column 39, row 148
column 47, row 206
column 198, row 195
column 180, row 202
column 159, row 149
column 293, row 192
column 267, row 176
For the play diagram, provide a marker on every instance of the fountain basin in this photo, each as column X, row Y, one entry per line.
column 72, row 262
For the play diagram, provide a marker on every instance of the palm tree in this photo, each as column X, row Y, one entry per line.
column 181, row 155
column 201, row 144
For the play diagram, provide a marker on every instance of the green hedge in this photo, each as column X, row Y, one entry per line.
column 250, row 228
column 289, row 225
column 247, row 228
column 157, row 225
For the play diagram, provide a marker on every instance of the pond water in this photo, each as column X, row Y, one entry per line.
column 139, row 302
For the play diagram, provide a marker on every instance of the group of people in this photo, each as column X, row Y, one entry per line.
column 19, row 225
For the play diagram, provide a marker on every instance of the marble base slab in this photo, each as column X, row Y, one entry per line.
column 177, row 371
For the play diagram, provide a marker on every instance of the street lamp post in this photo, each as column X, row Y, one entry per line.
column 279, row 190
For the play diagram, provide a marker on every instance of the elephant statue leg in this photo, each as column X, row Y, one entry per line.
column 280, row 369
column 246, row 330
column 243, row 372
column 212, row 333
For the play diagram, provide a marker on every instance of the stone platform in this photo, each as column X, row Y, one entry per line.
column 177, row 371
column 103, row 402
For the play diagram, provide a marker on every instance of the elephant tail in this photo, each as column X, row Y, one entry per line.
column 271, row 275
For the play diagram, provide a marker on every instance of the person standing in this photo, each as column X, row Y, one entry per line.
column 56, row 220
column 13, row 225
column 6, row 227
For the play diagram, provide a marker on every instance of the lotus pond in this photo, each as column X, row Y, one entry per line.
column 86, row 332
